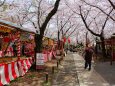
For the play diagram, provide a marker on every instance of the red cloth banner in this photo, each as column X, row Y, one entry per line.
column 12, row 70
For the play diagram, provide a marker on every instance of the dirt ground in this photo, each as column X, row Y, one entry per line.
column 34, row 77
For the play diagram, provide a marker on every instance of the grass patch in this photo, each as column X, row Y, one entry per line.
column 47, row 84
column 15, row 80
column 31, row 76
column 56, row 71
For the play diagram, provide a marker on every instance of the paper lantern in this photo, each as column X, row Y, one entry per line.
column 64, row 39
column 6, row 39
column 68, row 40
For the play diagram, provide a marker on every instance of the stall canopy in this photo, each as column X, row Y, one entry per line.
column 11, row 33
column 6, row 26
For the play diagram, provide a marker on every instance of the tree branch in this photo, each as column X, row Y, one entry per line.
column 65, row 22
column 2, row 3
column 105, row 22
column 39, row 3
column 68, row 29
column 100, row 10
column 19, row 20
column 73, row 30
column 84, row 21
column 49, row 16
column 96, row 25
column 72, row 9
column 113, row 5
column 87, row 13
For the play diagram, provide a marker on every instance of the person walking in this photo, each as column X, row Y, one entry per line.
column 88, row 57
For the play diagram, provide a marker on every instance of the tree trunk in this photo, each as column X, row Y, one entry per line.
column 103, row 47
column 38, row 39
column 96, row 47
column 58, row 39
column 38, row 43
column 42, row 28
column 86, row 39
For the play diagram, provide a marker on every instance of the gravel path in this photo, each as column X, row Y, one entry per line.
column 67, row 75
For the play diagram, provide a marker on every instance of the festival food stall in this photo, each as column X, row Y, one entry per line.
column 48, row 48
column 109, row 46
column 113, row 47
column 47, row 54
column 14, row 63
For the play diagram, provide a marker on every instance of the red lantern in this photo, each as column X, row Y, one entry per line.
column 64, row 39
column 68, row 40
column 6, row 39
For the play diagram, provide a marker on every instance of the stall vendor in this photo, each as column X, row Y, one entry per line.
column 14, row 49
column 23, row 49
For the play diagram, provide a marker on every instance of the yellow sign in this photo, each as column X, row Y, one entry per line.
column 47, row 41
column 4, row 29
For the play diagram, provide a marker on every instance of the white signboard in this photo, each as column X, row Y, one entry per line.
column 39, row 59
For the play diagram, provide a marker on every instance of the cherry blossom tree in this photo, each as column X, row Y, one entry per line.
column 62, row 26
column 103, row 6
column 93, row 20
column 101, row 35
column 38, row 38
column 69, row 23
column 112, row 4
column 35, row 12
column 2, row 2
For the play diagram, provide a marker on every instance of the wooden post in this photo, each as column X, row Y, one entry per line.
column 57, row 63
column 46, row 77
column 53, row 70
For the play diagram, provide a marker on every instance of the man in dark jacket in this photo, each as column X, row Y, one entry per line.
column 88, row 57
